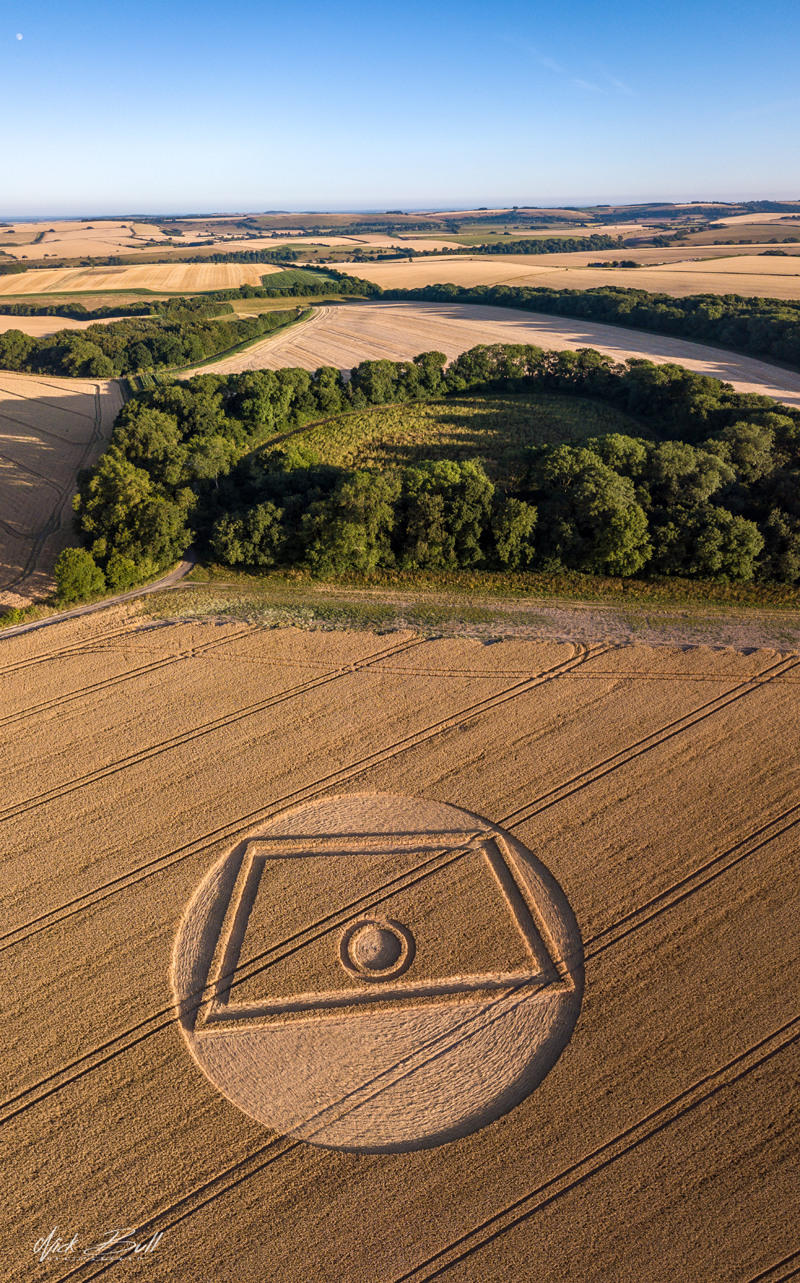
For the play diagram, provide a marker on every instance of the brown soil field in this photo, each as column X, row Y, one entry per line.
column 173, row 277
column 49, row 429
column 657, row 786
column 344, row 335
column 573, row 272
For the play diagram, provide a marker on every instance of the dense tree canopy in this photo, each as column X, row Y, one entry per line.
column 714, row 491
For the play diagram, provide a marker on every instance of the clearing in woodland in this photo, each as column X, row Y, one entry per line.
column 49, row 429
column 656, row 785
column 496, row 430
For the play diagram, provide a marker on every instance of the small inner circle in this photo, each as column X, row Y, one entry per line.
column 375, row 948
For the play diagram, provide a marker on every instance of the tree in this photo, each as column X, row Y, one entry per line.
column 77, row 576
column 122, row 573
column 447, row 507
column 351, row 529
column 706, row 542
column 589, row 517
column 513, row 524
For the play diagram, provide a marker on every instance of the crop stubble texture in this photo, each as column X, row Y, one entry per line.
column 659, row 787
column 49, row 429
column 343, row 336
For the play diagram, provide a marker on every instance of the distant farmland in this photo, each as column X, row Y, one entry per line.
column 748, row 274
column 171, row 277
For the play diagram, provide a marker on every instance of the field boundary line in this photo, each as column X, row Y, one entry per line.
column 604, row 1155
column 166, row 1015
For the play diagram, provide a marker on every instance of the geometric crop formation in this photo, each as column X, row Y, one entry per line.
column 246, row 813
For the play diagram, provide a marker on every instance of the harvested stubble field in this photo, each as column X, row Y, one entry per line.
column 39, row 326
column 49, row 429
column 574, row 273
column 174, row 278
column 657, row 785
column 343, row 336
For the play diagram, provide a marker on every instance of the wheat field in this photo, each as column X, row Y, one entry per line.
column 656, row 785
column 170, row 277
column 50, row 428
column 572, row 271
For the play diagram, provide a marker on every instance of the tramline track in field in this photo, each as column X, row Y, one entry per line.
column 606, row 938
column 319, row 786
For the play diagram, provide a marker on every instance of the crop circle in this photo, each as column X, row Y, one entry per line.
column 374, row 949
column 377, row 973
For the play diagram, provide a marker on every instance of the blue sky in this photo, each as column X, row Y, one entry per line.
column 255, row 105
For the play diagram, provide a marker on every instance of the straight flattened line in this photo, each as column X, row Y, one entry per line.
column 128, row 879
column 628, row 1135
column 176, row 741
column 161, row 863
column 316, row 930
column 507, row 1218
column 48, row 481
column 36, row 430
column 191, row 652
column 166, row 1017
column 693, row 882
column 88, row 646
column 113, row 888
column 648, row 742
column 99, row 1056
column 769, row 1275
column 166, row 1014
column 51, row 403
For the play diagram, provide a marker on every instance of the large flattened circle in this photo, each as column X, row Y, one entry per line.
column 475, row 950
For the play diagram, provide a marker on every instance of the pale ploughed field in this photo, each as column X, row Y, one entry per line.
column 344, row 335
column 40, row 326
column 49, row 429
column 658, row 785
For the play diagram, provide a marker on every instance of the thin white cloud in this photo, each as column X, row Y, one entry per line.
column 619, row 86
column 550, row 64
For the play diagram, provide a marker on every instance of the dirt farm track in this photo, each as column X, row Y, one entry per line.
column 657, row 785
